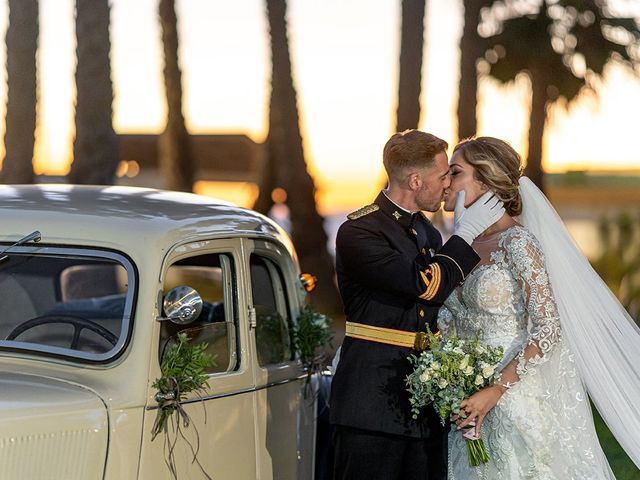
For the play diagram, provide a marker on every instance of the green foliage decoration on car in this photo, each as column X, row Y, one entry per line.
column 183, row 370
column 311, row 335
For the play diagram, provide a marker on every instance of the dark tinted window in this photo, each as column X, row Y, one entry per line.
column 272, row 317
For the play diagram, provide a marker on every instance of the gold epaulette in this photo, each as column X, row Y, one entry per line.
column 363, row 211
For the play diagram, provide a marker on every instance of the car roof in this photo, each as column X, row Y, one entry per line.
column 120, row 217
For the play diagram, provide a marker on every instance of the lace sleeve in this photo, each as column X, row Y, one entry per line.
column 445, row 321
column 526, row 261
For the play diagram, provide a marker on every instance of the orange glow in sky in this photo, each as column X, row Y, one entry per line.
column 344, row 57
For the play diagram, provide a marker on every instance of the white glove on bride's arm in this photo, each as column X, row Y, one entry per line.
column 471, row 222
column 526, row 261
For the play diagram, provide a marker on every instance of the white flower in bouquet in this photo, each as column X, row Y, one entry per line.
column 488, row 371
column 464, row 364
column 425, row 377
column 479, row 380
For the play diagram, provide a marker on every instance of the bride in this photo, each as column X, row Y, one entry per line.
column 563, row 334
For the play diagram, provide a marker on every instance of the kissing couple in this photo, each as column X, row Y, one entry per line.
column 512, row 276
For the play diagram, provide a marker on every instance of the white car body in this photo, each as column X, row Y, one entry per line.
column 71, row 414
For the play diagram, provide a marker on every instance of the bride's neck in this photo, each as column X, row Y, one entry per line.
column 501, row 225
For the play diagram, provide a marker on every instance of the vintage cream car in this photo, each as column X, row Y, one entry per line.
column 84, row 272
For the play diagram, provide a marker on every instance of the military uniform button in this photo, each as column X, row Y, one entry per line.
column 421, row 312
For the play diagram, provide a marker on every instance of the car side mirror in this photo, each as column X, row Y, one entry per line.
column 181, row 305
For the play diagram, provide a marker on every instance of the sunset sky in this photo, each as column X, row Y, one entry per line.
column 345, row 56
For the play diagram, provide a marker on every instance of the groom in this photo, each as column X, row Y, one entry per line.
column 393, row 274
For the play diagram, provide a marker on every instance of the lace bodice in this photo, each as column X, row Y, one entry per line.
column 507, row 300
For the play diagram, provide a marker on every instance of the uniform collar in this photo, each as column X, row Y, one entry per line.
column 397, row 206
column 399, row 214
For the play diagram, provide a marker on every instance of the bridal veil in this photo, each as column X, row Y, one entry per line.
column 602, row 336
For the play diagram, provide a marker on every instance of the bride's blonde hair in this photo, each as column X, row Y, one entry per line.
column 498, row 166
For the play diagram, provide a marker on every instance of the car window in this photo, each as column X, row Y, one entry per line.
column 272, row 317
column 213, row 278
column 71, row 304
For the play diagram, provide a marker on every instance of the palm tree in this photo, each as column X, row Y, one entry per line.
column 176, row 158
column 22, row 44
column 411, row 41
column 286, row 166
column 561, row 46
column 472, row 48
column 95, row 148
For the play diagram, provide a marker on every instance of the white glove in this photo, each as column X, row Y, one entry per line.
column 470, row 222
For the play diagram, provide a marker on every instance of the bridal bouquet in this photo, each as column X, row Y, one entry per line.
column 452, row 370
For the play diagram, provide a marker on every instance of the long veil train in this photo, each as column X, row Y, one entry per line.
column 604, row 339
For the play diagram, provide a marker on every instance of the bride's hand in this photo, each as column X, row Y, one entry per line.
column 478, row 405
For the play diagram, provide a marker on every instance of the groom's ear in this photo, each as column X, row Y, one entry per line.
column 414, row 181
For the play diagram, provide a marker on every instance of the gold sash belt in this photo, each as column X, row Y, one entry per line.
column 401, row 338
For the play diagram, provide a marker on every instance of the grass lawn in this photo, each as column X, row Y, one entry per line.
column 622, row 466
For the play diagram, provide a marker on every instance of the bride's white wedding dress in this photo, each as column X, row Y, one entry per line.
column 542, row 427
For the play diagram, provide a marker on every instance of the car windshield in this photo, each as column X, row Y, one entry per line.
column 66, row 302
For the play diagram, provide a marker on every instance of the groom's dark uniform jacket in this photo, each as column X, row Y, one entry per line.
column 393, row 272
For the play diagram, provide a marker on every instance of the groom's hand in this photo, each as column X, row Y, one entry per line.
column 471, row 222
column 478, row 405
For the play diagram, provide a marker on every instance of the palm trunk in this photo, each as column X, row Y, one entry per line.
column 288, row 167
column 538, row 118
column 471, row 48
column 412, row 39
column 174, row 148
column 22, row 44
column 95, row 148
column 269, row 177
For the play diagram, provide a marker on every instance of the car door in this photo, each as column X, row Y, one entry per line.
column 221, row 421
column 284, row 416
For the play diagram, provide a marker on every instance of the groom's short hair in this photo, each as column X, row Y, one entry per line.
column 410, row 149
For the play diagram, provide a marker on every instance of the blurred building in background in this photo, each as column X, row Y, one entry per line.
column 221, row 158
